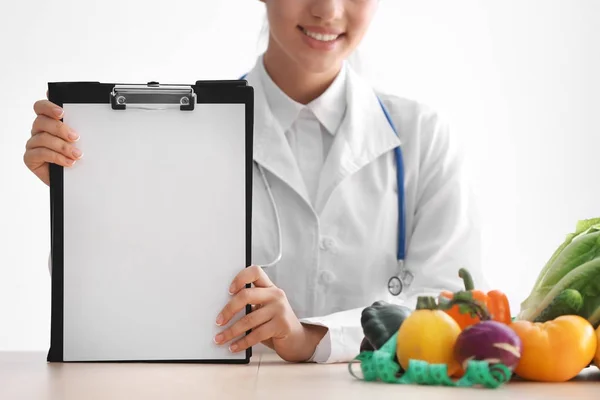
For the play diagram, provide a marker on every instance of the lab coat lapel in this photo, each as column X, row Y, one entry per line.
column 364, row 135
column 271, row 148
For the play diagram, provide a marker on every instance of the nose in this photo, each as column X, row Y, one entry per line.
column 327, row 10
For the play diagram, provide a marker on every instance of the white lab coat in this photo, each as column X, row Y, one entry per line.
column 339, row 255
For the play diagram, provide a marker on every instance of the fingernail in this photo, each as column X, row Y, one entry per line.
column 220, row 319
column 73, row 135
column 77, row 153
column 233, row 347
column 219, row 338
column 231, row 288
column 70, row 162
column 58, row 112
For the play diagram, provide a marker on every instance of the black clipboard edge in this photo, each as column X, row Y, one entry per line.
column 240, row 361
column 93, row 92
column 249, row 100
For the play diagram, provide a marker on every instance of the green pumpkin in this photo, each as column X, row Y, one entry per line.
column 380, row 322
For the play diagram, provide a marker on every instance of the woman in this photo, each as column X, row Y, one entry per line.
column 327, row 151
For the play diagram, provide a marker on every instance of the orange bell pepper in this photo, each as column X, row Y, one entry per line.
column 495, row 302
column 556, row 350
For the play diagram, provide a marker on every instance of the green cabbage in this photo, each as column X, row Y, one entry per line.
column 574, row 265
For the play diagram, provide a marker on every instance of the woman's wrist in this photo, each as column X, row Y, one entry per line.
column 301, row 346
column 313, row 336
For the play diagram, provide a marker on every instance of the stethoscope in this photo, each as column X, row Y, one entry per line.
column 403, row 278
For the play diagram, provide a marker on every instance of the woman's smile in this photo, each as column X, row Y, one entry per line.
column 321, row 38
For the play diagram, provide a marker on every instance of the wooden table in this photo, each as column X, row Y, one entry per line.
column 28, row 376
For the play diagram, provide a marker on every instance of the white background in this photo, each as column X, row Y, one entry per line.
column 517, row 79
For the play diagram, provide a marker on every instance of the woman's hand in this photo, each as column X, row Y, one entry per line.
column 51, row 141
column 272, row 320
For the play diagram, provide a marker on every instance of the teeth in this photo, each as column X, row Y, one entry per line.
column 319, row 36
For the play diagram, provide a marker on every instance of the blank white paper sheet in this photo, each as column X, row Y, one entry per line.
column 154, row 230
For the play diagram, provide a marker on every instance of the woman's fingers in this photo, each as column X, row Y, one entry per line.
column 50, row 142
column 250, row 275
column 47, row 108
column 34, row 158
column 244, row 297
column 258, row 335
column 246, row 323
column 55, row 144
column 55, row 127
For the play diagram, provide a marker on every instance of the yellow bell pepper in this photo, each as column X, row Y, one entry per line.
column 597, row 356
column 555, row 350
column 428, row 334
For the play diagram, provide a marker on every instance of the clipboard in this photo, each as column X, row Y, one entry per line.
column 151, row 225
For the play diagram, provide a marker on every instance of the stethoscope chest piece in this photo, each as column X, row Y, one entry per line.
column 399, row 282
column 395, row 286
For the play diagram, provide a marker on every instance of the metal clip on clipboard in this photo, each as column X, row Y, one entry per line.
column 153, row 93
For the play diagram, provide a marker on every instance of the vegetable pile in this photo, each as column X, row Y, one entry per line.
column 431, row 347
column 554, row 337
column 451, row 331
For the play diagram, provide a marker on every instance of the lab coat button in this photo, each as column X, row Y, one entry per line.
column 327, row 243
column 326, row 277
column 322, row 244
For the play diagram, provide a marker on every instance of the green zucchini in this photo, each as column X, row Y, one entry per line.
column 568, row 302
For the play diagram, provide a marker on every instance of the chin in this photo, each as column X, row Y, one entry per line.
column 319, row 65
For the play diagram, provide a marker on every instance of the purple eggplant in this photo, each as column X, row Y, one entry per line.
column 489, row 341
